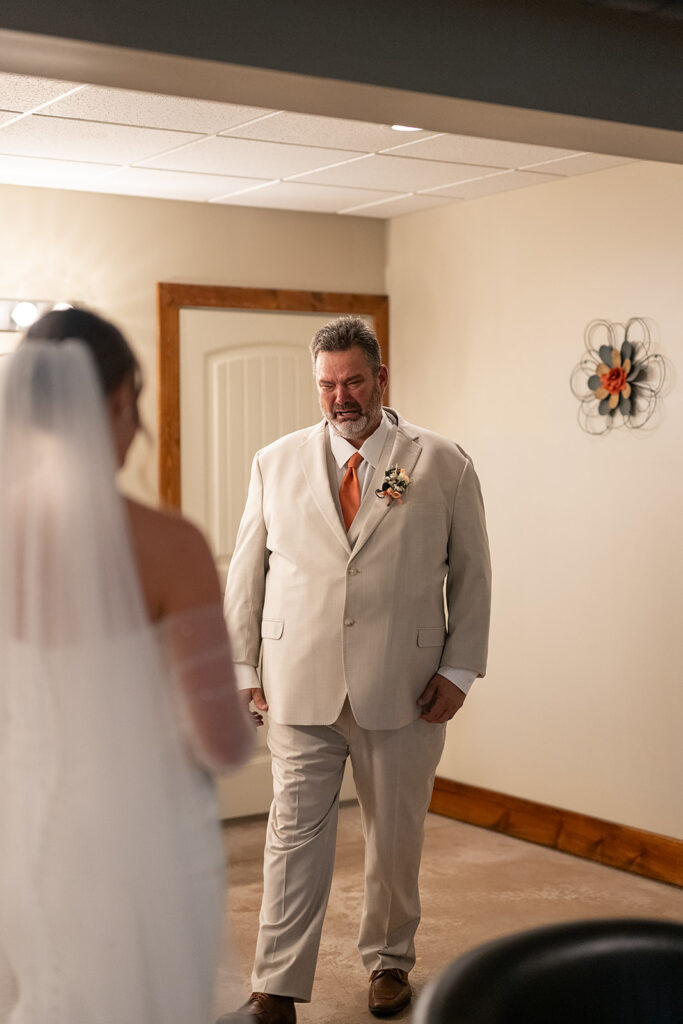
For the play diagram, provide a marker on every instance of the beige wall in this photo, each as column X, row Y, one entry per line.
column 109, row 252
column 582, row 706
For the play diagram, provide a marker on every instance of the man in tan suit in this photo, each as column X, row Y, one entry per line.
column 361, row 579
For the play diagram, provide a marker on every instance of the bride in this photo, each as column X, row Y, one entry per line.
column 117, row 702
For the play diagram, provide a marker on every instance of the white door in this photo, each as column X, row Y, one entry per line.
column 245, row 379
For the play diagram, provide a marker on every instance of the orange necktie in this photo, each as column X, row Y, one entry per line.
column 349, row 492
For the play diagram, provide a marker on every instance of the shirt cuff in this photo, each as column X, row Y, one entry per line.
column 246, row 676
column 460, row 677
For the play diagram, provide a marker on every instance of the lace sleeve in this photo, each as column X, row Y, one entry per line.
column 218, row 728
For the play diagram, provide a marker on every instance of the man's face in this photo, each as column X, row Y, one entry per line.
column 350, row 395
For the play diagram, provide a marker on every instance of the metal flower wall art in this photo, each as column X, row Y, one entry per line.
column 619, row 379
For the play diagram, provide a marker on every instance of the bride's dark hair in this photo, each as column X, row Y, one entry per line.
column 113, row 357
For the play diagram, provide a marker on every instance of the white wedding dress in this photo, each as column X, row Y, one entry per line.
column 111, row 862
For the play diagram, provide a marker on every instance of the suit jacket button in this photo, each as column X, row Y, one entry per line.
column 349, row 622
column 353, row 572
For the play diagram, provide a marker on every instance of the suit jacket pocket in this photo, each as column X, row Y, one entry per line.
column 431, row 636
column 271, row 629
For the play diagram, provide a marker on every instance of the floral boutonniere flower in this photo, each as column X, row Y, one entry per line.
column 395, row 484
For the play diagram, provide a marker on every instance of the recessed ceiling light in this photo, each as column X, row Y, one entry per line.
column 404, row 128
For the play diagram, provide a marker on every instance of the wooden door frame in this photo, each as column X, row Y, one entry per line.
column 171, row 298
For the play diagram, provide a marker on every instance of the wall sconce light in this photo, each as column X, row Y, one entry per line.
column 17, row 315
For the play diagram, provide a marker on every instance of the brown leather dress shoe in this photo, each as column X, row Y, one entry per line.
column 390, row 991
column 262, row 1008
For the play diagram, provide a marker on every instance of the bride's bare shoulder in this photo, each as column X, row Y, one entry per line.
column 161, row 524
column 175, row 563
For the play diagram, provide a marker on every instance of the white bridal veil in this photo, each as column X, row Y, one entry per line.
column 111, row 866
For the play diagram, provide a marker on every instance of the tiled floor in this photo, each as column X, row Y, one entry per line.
column 475, row 885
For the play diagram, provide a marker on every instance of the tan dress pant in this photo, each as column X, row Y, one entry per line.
column 394, row 774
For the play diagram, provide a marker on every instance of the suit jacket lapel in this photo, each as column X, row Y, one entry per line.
column 314, row 462
column 401, row 449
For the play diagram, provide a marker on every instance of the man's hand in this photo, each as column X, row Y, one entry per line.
column 254, row 694
column 440, row 700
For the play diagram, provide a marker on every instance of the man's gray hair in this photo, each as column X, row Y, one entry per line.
column 342, row 334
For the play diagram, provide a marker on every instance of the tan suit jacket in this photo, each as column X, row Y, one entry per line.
column 372, row 614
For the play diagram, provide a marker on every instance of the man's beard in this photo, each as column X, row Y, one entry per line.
column 368, row 419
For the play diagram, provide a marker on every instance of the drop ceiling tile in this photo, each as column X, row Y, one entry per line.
column 289, row 195
column 505, row 181
column 248, row 158
column 395, row 173
column 333, row 132
column 149, row 110
column 86, row 140
column 464, row 149
column 581, row 163
column 23, row 170
column 155, row 184
column 397, row 206
column 85, row 133
column 21, row 92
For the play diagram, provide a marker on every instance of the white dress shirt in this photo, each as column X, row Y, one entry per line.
column 371, row 450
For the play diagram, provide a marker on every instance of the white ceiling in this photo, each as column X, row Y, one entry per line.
column 63, row 135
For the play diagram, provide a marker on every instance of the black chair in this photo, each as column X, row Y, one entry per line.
column 623, row 971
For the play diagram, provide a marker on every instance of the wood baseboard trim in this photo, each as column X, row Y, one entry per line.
column 618, row 846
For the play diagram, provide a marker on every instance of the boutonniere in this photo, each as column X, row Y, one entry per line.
column 395, row 484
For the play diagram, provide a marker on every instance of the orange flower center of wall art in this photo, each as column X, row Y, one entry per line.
column 615, row 380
